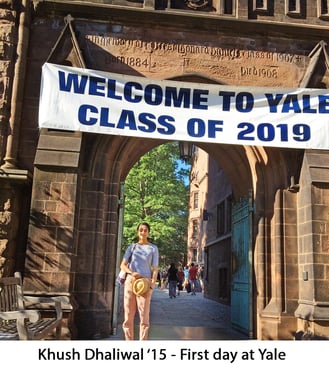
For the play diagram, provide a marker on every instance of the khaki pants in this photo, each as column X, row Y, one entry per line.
column 131, row 303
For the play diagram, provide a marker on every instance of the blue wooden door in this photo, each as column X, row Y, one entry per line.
column 241, row 293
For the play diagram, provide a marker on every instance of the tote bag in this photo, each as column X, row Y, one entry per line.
column 121, row 278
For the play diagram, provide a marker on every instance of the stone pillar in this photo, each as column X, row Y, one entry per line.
column 313, row 246
column 8, row 36
column 277, row 320
column 51, row 243
column 14, row 182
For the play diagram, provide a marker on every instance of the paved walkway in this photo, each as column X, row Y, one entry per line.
column 186, row 317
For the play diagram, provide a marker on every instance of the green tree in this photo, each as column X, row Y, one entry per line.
column 156, row 191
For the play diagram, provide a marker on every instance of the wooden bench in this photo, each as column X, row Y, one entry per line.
column 20, row 323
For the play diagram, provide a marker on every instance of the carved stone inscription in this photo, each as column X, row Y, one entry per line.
column 224, row 63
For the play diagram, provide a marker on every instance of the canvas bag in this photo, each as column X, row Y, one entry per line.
column 121, row 278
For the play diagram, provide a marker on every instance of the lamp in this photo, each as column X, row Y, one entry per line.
column 185, row 150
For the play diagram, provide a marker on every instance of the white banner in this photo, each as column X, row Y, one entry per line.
column 94, row 101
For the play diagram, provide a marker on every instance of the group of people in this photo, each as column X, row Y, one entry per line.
column 190, row 278
column 140, row 264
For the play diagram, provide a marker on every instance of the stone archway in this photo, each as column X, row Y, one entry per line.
column 75, row 213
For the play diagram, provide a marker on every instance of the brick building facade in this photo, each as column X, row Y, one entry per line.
column 209, row 226
column 60, row 191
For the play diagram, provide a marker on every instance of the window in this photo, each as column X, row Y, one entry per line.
column 225, row 6
column 293, row 5
column 194, row 255
column 224, row 216
column 229, row 214
column 221, row 218
column 195, row 229
column 260, row 4
column 296, row 8
column 323, row 6
column 263, row 7
column 196, row 200
column 228, row 6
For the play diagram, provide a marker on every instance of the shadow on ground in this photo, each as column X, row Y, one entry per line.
column 186, row 317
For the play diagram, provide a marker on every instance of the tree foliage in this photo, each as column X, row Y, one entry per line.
column 156, row 191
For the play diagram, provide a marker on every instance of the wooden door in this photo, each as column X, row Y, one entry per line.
column 241, row 292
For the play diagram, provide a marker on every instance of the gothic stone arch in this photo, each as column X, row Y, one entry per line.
column 72, row 249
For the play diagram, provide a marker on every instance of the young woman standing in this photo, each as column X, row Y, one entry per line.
column 141, row 259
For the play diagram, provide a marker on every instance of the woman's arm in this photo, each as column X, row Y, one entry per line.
column 124, row 267
column 155, row 271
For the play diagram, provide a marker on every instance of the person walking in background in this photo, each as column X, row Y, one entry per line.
column 200, row 277
column 193, row 271
column 172, row 280
column 180, row 276
column 164, row 277
column 140, row 262
column 159, row 279
column 186, row 282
